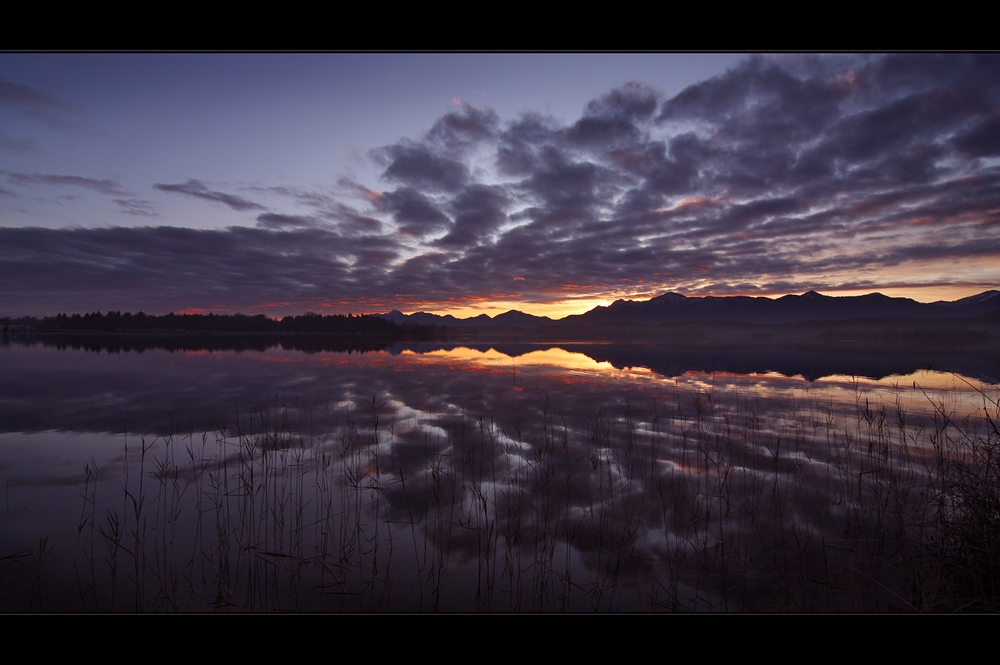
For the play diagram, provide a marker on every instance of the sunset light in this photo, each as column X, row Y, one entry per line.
column 445, row 183
column 407, row 332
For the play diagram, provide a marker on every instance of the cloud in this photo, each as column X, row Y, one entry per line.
column 18, row 94
column 106, row 186
column 519, row 144
column 358, row 190
column 796, row 170
column 197, row 189
column 159, row 269
column 34, row 102
column 634, row 100
column 327, row 210
column 982, row 139
column 126, row 202
column 414, row 213
column 478, row 210
column 11, row 144
column 138, row 207
column 616, row 117
column 270, row 220
column 353, row 222
column 301, row 196
column 459, row 131
column 566, row 191
column 415, row 165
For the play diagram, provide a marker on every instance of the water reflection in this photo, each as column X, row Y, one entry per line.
column 457, row 478
column 810, row 360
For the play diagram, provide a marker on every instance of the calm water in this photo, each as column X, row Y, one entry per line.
column 516, row 478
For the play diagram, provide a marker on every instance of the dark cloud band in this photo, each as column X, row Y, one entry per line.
column 198, row 190
column 781, row 173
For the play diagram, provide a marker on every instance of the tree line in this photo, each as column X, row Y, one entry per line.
column 353, row 325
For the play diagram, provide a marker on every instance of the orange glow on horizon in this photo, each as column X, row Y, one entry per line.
column 556, row 309
column 561, row 306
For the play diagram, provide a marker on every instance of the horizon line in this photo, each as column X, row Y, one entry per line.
column 447, row 311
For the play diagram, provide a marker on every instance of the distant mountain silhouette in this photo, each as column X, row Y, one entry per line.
column 674, row 308
column 511, row 318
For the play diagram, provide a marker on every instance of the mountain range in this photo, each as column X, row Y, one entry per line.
column 674, row 308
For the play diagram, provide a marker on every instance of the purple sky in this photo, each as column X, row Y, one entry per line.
column 484, row 182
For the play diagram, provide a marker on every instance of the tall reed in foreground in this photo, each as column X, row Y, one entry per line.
column 967, row 537
column 692, row 500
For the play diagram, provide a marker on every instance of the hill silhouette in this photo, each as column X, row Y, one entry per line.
column 676, row 308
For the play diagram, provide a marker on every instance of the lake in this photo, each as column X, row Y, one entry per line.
column 256, row 475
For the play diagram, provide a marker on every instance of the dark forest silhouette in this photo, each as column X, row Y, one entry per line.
column 363, row 327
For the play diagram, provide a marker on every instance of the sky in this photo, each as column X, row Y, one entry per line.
column 472, row 183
